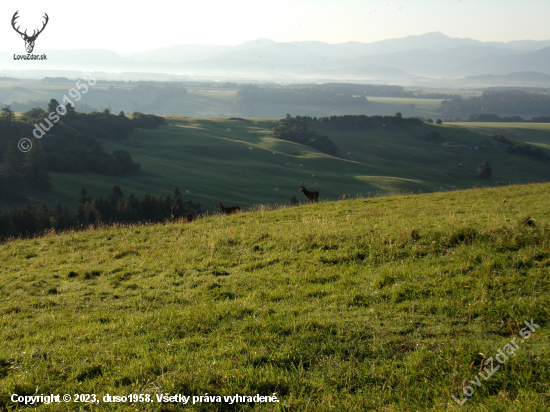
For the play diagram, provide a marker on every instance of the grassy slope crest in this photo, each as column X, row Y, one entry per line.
column 359, row 304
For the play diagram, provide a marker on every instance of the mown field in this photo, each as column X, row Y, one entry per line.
column 384, row 304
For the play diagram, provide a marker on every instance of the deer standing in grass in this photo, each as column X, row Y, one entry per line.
column 228, row 210
column 312, row 196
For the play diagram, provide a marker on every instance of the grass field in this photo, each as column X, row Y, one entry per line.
column 422, row 107
column 383, row 106
column 532, row 133
column 214, row 159
column 384, row 304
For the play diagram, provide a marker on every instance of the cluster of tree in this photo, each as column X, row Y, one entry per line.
column 496, row 118
column 252, row 95
column 521, row 148
column 514, row 89
column 540, row 119
column 438, row 96
column 70, row 146
column 228, row 85
column 19, row 169
column 23, row 107
column 502, row 139
column 484, row 170
column 147, row 121
column 23, row 170
column 215, row 85
column 356, row 89
column 528, row 150
column 519, row 103
column 363, row 120
column 6, row 78
column 115, row 208
column 57, row 80
column 296, row 130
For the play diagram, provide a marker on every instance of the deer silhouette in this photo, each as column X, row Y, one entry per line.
column 29, row 40
column 228, row 210
column 176, row 216
column 312, row 196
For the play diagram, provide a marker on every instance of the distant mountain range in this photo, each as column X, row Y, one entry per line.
column 408, row 60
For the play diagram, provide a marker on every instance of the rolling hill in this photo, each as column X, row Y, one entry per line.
column 241, row 162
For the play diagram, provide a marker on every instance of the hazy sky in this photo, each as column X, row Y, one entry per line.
column 127, row 27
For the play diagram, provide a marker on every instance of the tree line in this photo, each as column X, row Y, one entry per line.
column 28, row 221
column 356, row 89
column 251, row 95
column 362, row 120
column 518, row 103
column 489, row 117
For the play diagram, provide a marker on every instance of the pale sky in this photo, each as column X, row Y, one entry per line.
column 127, row 27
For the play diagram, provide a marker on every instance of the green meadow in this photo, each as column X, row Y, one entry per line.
column 240, row 162
column 368, row 304
column 532, row 133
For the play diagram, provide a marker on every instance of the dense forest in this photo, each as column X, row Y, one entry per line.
column 515, row 103
column 115, row 208
column 356, row 89
column 73, row 145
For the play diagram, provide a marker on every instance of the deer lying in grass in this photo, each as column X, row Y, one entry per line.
column 228, row 210
column 312, row 196
column 176, row 216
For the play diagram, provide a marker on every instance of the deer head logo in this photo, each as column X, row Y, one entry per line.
column 29, row 40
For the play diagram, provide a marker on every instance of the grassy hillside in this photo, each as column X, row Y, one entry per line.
column 378, row 304
column 533, row 133
column 214, row 159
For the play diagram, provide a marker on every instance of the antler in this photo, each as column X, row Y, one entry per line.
column 15, row 16
column 34, row 34
column 43, row 27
